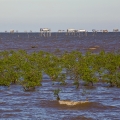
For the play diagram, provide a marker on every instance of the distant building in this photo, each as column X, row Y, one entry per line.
column 95, row 31
column 45, row 32
column 105, row 31
column 115, row 30
column 60, row 31
column 11, row 31
column 81, row 30
column 71, row 31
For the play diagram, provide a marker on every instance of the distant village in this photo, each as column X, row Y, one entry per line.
column 48, row 31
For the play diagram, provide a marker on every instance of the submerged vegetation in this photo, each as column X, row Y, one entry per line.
column 19, row 67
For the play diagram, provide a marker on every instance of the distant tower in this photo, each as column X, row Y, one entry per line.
column 45, row 32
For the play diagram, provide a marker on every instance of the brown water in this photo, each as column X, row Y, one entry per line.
column 106, row 41
column 15, row 104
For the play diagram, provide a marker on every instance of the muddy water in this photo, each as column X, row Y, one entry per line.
column 104, row 102
column 34, row 42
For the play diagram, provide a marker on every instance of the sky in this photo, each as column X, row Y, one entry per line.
column 26, row 15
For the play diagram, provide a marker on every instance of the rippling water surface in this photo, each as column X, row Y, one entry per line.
column 16, row 104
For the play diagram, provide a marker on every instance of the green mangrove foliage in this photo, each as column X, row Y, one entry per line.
column 87, row 69
column 112, row 68
column 70, row 63
column 28, row 69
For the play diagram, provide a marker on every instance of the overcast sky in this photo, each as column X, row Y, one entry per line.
column 32, row 15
